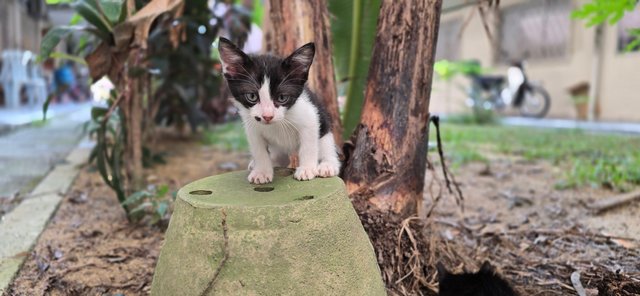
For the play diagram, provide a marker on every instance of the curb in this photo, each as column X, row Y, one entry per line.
column 20, row 228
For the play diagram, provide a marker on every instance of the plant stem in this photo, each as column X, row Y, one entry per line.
column 354, row 102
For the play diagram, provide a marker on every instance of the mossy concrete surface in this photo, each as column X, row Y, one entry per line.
column 286, row 238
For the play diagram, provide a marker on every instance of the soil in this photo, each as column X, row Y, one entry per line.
column 90, row 248
column 534, row 235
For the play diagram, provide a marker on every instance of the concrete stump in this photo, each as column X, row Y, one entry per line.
column 286, row 238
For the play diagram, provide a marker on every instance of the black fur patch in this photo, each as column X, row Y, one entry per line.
column 485, row 282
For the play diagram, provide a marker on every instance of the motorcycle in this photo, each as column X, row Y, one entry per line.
column 489, row 93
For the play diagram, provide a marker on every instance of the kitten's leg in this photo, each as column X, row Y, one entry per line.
column 308, row 154
column 261, row 169
column 329, row 163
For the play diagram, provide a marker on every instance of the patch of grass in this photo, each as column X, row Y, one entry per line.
column 595, row 159
column 228, row 136
column 39, row 123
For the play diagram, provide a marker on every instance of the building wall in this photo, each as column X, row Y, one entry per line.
column 18, row 30
column 620, row 84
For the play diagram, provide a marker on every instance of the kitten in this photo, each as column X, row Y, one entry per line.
column 485, row 282
column 281, row 116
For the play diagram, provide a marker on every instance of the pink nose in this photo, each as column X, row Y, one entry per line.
column 267, row 118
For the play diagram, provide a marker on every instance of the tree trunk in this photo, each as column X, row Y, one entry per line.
column 389, row 160
column 294, row 23
column 133, row 111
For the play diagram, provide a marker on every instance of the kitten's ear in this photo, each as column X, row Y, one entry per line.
column 442, row 271
column 300, row 60
column 233, row 60
column 486, row 267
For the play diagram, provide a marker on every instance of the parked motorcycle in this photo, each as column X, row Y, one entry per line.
column 495, row 93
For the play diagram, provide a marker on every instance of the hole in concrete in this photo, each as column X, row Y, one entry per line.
column 201, row 192
column 263, row 189
column 306, row 197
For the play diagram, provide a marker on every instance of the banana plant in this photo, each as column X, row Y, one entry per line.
column 122, row 31
column 353, row 29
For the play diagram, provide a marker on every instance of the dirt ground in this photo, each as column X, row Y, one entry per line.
column 535, row 235
column 89, row 247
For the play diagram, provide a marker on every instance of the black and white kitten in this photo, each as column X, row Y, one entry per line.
column 485, row 282
column 281, row 116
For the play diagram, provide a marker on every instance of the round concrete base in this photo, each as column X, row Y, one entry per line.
column 286, row 238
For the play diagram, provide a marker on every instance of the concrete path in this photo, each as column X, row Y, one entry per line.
column 604, row 127
column 21, row 228
column 28, row 153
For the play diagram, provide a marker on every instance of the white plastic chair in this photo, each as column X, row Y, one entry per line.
column 19, row 70
column 36, row 84
column 13, row 76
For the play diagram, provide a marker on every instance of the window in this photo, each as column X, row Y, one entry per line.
column 631, row 20
column 535, row 30
column 448, row 47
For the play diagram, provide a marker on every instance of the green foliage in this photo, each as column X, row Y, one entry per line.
column 53, row 37
column 228, row 136
column 109, row 133
column 600, row 11
column 353, row 29
column 103, row 15
column 447, row 70
column 186, row 76
column 257, row 14
column 114, row 10
column 611, row 161
column 150, row 205
column 480, row 116
column 93, row 14
column 635, row 44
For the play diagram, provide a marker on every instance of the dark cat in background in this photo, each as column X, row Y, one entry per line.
column 485, row 282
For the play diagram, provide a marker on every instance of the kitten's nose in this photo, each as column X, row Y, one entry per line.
column 267, row 118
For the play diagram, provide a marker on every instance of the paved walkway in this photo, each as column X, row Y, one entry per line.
column 28, row 153
column 604, row 127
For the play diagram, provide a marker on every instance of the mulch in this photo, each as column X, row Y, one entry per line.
column 90, row 248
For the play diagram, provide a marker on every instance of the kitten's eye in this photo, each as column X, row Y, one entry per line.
column 251, row 98
column 282, row 99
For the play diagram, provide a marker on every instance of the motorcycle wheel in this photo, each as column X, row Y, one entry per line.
column 536, row 102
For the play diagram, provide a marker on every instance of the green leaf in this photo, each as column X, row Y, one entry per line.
column 52, row 38
column 113, row 10
column 141, row 207
column 64, row 56
column 162, row 190
column 75, row 19
column 635, row 44
column 354, row 32
column 162, row 208
column 97, row 112
column 136, row 197
column 257, row 13
column 45, row 106
column 90, row 11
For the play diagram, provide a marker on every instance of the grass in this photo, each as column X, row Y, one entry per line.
column 227, row 136
column 611, row 161
column 593, row 159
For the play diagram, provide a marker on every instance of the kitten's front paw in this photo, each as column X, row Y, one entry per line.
column 326, row 169
column 260, row 177
column 304, row 174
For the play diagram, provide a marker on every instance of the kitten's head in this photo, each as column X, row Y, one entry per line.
column 265, row 86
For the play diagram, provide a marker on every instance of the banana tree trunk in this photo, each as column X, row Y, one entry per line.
column 388, row 164
column 296, row 22
column 133, row 111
